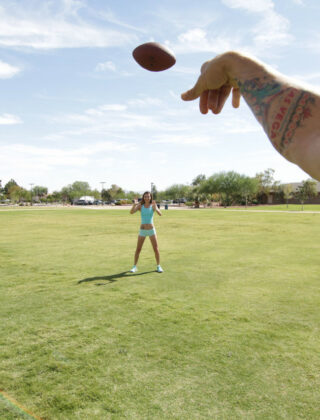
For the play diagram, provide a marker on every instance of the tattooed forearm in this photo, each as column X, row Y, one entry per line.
column 294, row 106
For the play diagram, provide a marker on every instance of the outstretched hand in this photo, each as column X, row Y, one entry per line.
column 213, row 87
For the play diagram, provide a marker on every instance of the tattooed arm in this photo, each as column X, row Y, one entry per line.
column 288, row 113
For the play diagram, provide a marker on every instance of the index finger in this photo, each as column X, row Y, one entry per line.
column 196, row 91
column 236, row 95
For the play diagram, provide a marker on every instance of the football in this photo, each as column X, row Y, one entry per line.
column 154, row 56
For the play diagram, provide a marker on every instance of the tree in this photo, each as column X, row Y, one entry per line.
column 228, row 186
column 40, row 191
column 55, row 197
column 116, row 192
column 81, row 188
column 266, row 183
column 195, row 192
column 208, row 187
column 161, row 195
column 287, row 192
column 8, row 185
column 198, row 180
column 96, row 194
column 1, row 191
column 18, row 194
column 154, row 191
column 130, row 195
column 307, row 190
column 177, row 191
column 248, row 188
column 75, row 190
column 105, row 195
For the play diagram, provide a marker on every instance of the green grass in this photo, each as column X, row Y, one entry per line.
column 230, row 330
column 284, row 207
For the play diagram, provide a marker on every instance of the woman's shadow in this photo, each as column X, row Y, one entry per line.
column 114, row 277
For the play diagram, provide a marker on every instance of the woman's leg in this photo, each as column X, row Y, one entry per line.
column 140, row 242
column 154, row 242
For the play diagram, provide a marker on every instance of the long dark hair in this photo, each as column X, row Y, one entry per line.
column 142, row 199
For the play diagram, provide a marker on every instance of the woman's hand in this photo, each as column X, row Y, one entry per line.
column 155, row 208
column 135, row 206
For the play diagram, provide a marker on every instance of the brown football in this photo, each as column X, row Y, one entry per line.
column 154, row 56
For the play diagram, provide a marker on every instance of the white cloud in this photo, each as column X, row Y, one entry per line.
column 185, row 70
column 7, row 70
column 308, row 77
column 193, row 36
column 107, row 66
column 110, row 119
column 237, row 126
column 34, row 155
column 111, row 18
column 197, row 40
column 145, row 101
column 256, row 6
column 271, row 29
column 313, row 42
column 9, row 119
column 45, row 28
column 184, row 140
column 101, row 110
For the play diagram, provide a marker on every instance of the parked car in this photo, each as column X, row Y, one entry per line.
column 97, row 202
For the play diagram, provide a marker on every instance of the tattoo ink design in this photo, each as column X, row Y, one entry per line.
column 259, row 93
column 291, row 116
column 295, row 107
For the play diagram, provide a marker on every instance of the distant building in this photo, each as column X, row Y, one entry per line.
column 275, row 198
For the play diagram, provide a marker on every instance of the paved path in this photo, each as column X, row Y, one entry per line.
column 127, row 208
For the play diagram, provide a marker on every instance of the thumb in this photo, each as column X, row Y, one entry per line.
column 196, row 91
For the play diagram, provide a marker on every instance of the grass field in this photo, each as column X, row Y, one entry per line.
column 230, row 330
column 284, row 207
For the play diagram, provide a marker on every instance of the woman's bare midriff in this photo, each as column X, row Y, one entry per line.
column 147, row 226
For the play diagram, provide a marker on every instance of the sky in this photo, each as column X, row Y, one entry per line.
column 75, row 106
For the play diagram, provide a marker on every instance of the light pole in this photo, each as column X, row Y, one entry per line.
column 152, row 184
column 102, row 187
column 31, row 186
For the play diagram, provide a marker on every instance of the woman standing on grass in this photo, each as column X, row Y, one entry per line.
column 147, row 207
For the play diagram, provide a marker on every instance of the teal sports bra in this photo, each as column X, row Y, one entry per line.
column 146, row 215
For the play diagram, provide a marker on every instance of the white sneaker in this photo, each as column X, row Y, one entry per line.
column 134, row 269
column 159, row 269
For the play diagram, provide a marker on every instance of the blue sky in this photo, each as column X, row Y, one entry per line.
column 75, row 105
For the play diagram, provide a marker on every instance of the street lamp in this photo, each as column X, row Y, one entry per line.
column 31, row 186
